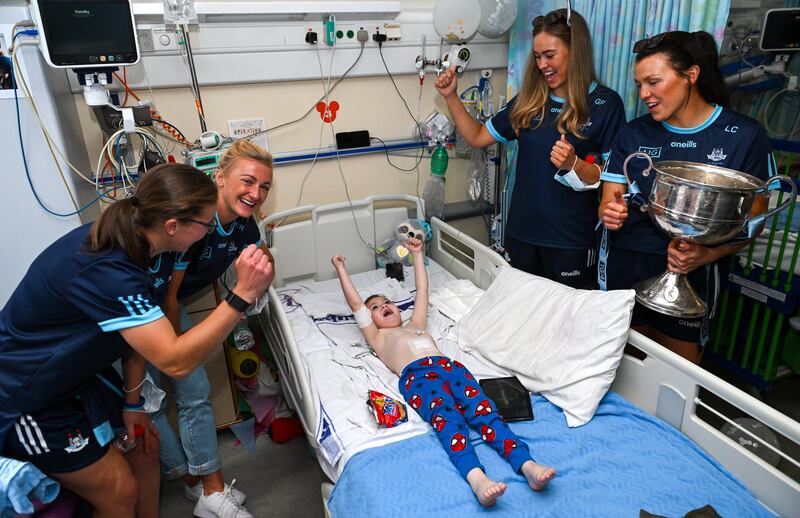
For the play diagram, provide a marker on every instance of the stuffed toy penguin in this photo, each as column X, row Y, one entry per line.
column 394, row 250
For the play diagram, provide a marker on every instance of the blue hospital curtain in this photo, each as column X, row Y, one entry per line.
column 615, row 26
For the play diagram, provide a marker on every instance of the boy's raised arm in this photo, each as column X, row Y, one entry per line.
column 350, row 292
column 361, row 312
column 420, row 314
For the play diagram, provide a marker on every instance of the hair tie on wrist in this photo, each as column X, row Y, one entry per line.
column 133, row 406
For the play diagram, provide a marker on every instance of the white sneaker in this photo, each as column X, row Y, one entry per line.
column 193, row 492
column 220, row 505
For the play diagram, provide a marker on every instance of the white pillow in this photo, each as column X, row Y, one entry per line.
column 563, row 343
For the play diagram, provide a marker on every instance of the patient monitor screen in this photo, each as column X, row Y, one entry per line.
column 781, row 30
column 88, row 32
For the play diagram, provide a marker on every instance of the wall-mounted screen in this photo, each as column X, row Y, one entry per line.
column 86, row 33
column 781, row 31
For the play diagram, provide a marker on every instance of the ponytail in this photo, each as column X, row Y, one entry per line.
column 710, row 83
column 167, row 191
column 684, row 50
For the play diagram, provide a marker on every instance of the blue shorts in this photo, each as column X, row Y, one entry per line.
column 575, row 268
column 61, row 438
column 627, row 267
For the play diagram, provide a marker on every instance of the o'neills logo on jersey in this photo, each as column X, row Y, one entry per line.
column 689, row 323
column 687, row 144
column 717, row 155
column 654, row 152
column 573, row 273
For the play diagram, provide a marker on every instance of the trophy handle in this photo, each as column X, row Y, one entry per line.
column 754, row 224
column 632, row 187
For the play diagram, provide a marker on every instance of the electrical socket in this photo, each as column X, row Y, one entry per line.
column 392, row 31
column 145, row 37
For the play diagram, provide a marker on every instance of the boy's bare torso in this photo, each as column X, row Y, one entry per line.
column 398, row 346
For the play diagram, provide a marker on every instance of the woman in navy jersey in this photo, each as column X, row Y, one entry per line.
column 87, row 301
column 560, row 116
column 243, row 179
column 678, row 77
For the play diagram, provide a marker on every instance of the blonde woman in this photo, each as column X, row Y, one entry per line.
column 560, row 117
column 243, row 179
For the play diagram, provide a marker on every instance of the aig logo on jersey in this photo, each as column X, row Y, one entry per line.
column 718, row 155
column 654, row 152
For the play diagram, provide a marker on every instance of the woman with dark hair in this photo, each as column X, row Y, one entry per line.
column 560, row 117
column 87, row 301
column 677, row 74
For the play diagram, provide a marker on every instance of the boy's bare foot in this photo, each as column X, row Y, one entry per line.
column 538, row 476
column 486, row 489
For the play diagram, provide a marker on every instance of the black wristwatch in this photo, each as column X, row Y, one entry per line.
column 237, row 302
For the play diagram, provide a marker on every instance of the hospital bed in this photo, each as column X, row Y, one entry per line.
column 669, row 397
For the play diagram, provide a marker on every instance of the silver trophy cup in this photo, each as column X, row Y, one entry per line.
column 703, row 204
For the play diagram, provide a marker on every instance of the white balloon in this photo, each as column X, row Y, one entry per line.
column 456, row 20
column 497, row 16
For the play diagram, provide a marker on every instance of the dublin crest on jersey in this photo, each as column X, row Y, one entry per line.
column 717, row 155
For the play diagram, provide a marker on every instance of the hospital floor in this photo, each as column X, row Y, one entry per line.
column 279, row 479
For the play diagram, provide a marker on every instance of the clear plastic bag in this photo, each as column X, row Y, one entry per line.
column 475, row 177
column 180, row 12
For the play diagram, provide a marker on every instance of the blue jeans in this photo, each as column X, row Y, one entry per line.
column 196, row 453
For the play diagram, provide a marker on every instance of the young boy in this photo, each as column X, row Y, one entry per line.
column 442, row 391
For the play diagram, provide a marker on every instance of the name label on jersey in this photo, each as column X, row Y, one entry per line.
column 654, row 152
column 687, row 144
column 731, row 129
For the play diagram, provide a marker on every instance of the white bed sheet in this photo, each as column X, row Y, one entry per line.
column 341, row 376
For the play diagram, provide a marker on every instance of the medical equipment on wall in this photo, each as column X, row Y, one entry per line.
column 457, row 58
column 779, row 38
column 86, row 33
column 423, row 61
column 781, row 30
column 206, row 153
column 91, row 37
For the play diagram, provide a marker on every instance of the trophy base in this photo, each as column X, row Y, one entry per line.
column 670, row 294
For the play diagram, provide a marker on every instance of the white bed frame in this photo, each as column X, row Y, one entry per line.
column 663, row 383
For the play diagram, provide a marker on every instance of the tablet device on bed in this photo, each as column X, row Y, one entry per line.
column 511, row 399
